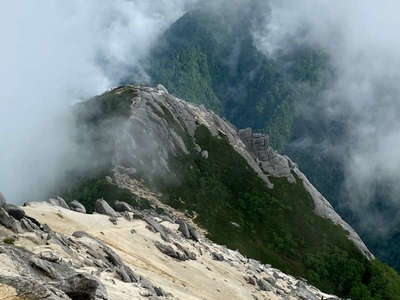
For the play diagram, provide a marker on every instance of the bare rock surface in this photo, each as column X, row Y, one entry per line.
column 77, row 206
column 58, row 202
column 121, row 206
column 102, row 207
column 14, row 211
column 86, row 257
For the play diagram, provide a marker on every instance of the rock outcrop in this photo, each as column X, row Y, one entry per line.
column 102, row 207
column 121, row 206
column 274, row 164
column 77, row 206
column 58, row 202
column 14, row 211
column 108, row 263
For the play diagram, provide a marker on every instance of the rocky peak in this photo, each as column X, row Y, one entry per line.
column 166, row 126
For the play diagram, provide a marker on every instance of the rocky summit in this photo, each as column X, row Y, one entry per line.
column 180, row 204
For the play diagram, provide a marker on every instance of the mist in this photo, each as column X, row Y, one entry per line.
column 361, row 38
column 54, row 54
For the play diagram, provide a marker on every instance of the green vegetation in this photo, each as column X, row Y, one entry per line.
column 277, row 226
column 9, row 240
column 209, row 57
column 89, row 190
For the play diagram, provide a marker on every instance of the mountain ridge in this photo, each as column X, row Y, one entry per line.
column 158, row 158
column 196, row 162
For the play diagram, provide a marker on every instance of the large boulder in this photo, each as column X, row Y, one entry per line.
column 102, row 207
column 121, row 206
column 77, row 206
column 9, row 222
column 168, row 250
column 83, row 286
column 14, row 211
column 188, row 231
column 109, row 257
column 156, row 227
column 58, row 202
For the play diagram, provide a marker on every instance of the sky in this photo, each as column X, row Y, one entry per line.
column 362, row 40
column 53, row 54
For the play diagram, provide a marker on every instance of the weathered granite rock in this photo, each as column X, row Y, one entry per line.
column 188, row 231
column 58, row 202
column 33, row 289
column 304, row 293
column 217, row 256
column 168, row 250
column 250, row 280
column 191, row 255
column 183, row 228
column 194, row 234
column 121, row 206
column 30, row 225
column 110, row 258
column 148, row 285
column 49, row 279
column 264, row 285
column 44, row 266
column 83, row 286
column 8, row 221
column 157, row 228
column 14, row 211
column 102, row 207
column 77, row 206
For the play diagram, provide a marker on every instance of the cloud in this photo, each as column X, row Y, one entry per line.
column 53, row 54
column 361, row 38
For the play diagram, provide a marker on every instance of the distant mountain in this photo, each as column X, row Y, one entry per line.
column 209, row 57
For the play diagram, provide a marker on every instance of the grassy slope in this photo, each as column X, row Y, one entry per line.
column 276, row 226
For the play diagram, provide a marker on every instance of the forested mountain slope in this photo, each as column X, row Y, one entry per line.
column 210, row 57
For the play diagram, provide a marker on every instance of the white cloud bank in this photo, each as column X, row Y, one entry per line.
column 54, row 53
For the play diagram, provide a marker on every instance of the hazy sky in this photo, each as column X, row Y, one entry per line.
column 363, row 40
column 54, row 53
